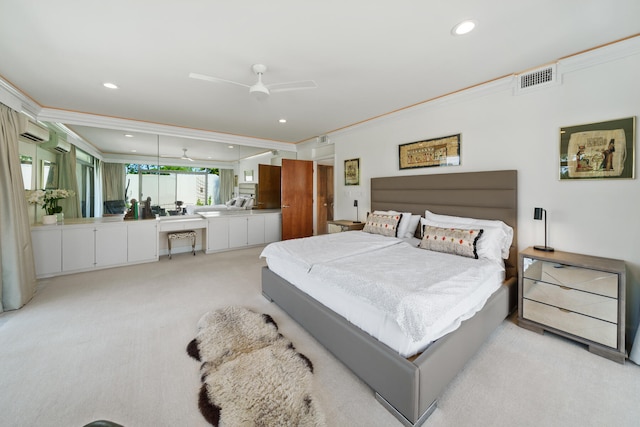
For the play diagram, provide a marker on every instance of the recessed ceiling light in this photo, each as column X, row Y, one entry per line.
column 134, row 151
column 110, row 85
column 128, row 135
column 463, row 27
column 231, row 146
column 282, row 120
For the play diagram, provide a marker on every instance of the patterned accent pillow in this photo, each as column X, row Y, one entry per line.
column 386, row 225
column 454, row 241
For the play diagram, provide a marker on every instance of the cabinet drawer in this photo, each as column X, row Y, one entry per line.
column 577, row 324
column 595, row 281
column 570, row 299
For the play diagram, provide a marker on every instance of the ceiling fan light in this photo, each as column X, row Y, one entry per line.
column 259, row 91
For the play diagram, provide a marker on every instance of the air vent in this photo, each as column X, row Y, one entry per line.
column 324, row 139
column 536, row 79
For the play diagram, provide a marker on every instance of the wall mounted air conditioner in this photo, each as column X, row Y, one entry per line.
column 31, row 130
column 57, row 142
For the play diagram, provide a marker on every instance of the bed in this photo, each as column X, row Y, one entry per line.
column 410, row 387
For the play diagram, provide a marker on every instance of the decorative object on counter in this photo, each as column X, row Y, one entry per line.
column 49, row 219
column 538, row 213
column 132, row 213
column 48, row 199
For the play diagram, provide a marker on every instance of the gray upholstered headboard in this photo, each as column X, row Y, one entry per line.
column 485, row 195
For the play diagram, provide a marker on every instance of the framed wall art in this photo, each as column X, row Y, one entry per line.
column 604, row 150
column 352, row 172
column 444, row 151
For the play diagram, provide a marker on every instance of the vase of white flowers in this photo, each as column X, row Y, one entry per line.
column 48, row 199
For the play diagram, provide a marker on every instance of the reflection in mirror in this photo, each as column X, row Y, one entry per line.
column 49, row 175
column 26, row 164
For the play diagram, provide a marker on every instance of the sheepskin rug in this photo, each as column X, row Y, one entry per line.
column 251, row 375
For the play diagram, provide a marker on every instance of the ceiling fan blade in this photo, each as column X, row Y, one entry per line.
column 215, row 79
column 299, row 85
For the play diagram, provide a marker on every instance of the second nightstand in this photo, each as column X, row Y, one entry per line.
column 578, row 296
column 338, row 225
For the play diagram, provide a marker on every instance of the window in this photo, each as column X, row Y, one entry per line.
column 86, row 182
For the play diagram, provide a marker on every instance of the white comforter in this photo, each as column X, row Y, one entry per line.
column 422, row 290
column 310, row 251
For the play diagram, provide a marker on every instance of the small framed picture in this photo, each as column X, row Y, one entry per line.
column 603, row 150
column 352, row 172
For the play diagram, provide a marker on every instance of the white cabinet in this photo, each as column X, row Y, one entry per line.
column 218, row 234
column 86, row 245
column 142, row 241
column 78, row 248
column 111, row 245
column 272, row 228
column 242, row 230
column 47, row 250
column 246, row 231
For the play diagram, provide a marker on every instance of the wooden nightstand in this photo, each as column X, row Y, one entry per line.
column 577, row 296
column 338, row 225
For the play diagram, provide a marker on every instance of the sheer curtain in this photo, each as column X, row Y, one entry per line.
column 67, row 179
column 226, row 185
column 113, row 181
column 17, row 268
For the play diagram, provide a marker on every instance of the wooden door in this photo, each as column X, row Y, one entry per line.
column 297, row 198
column 268, row 196
column 325, row 197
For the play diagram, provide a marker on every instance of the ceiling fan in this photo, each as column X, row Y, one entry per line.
column 259, row 89
column 184, row 156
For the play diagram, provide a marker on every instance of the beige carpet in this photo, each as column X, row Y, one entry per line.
column 111, row 345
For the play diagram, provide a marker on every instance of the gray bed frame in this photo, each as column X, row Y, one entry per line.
column 409, row 388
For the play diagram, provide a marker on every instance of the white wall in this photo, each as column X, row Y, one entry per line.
column 505, row 131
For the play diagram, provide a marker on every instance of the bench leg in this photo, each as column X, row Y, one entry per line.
column 193, row 245
column 169, row 242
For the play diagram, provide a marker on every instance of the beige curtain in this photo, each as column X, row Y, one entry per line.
column 67, row 179
column 226, row 185
column 113, row 181
column 17, row 268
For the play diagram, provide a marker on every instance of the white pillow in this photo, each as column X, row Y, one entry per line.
column 495, row 241
column 404, row 221
column 413, row 225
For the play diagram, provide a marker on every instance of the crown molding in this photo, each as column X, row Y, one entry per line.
column 127, row 125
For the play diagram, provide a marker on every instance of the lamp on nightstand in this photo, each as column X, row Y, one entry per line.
column 355, row 204
column 538, row 213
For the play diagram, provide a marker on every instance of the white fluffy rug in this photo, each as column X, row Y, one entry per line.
column 251, row 375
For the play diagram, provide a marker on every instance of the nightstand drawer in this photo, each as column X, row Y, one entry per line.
column 583, row 326
column 593, row 305
column 594, row 281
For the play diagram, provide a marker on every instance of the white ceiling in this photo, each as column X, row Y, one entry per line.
column 367, row 57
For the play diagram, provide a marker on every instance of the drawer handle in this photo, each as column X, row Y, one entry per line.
column 564, row 310
column 566, row 288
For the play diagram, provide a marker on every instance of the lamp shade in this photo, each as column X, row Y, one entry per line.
column 537, row 213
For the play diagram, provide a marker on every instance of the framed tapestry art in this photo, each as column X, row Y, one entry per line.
column 443, row 151
column 604, row 150
column 352, row 172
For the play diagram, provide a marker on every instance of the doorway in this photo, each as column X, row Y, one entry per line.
column 324, row 207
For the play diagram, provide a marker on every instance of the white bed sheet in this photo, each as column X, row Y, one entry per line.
column 366, row 315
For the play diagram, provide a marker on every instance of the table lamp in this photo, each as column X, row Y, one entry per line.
column 355, row 203
column 538, row 213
